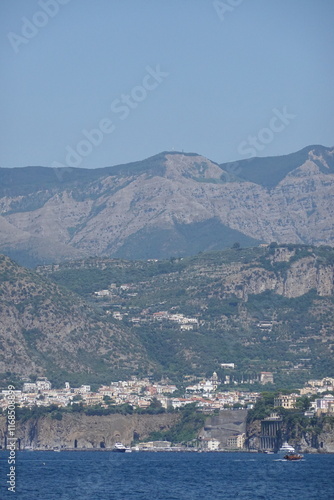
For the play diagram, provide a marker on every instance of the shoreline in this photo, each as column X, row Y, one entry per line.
column 160, row 450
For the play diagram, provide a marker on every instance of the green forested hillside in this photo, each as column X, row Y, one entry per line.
column 48, row 330
column 263, row 308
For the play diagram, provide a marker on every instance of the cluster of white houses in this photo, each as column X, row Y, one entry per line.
column 185, row 323
column 127, row 290
column 325, row 404
column 136, row 392
column 141, row 392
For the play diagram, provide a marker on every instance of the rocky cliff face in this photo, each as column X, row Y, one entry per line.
column 298, row 278
column 84, row 432
column 171, row 204
column 314, row 439
column 290, row 271
column 225, row 425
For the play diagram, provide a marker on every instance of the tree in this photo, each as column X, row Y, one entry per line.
column 77, row 397
column 108, row 400
column 155, row 407
column 303, row 403
column 236, row 245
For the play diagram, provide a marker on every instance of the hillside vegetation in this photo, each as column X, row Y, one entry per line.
column 48, row 330
column 263, row 308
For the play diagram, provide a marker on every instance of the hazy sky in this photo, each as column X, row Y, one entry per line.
column 226, row 79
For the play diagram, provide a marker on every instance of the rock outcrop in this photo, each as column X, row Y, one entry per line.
column 225, row 425
column 85, row 432
column 312, row 439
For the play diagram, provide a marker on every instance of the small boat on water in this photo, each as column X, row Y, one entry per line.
column 286, row 449
column 293, row 456
column 120, row 448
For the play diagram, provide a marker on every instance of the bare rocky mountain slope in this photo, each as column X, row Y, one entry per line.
column 170, row 204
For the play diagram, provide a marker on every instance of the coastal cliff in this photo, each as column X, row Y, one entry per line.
column 316, row 436
column 84, row 432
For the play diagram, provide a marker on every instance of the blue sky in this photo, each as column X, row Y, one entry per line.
column 147, row 76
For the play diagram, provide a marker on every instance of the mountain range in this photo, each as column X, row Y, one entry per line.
column 172, row 204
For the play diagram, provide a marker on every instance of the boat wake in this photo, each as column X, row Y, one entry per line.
column 284, row 460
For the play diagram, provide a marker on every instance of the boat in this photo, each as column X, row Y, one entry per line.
column 286, row 448
column 120, row 448
column 293, row 456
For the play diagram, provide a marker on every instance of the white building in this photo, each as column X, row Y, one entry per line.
column 236, row 441
column 84, row 389
column 43, row 384
column 29, row 387
column 102, row 293
column 325, row 404
column 186, row 327
column 213, row 444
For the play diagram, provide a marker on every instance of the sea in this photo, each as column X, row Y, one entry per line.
column 89, row 475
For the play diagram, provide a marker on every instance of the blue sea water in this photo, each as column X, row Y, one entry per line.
column 167, row 476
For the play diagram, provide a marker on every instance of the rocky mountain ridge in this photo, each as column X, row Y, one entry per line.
column 170, row 204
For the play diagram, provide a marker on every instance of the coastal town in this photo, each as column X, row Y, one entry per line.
column 139, row 393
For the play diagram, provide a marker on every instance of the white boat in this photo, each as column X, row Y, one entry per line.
column 286, row 449
column 120, row 448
